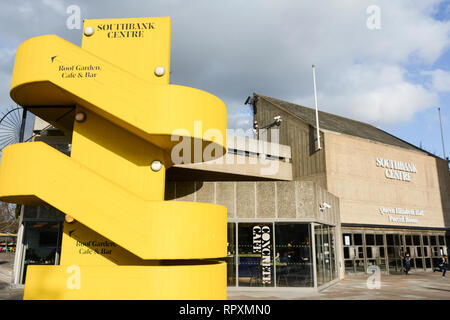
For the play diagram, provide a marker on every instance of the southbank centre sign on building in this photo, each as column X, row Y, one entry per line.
column 121, row 240
column 397, row 170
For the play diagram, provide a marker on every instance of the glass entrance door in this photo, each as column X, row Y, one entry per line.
column 324, row 245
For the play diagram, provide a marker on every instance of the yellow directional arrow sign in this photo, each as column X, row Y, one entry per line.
column 121, row 239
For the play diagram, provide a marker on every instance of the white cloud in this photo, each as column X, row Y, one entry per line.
column 233, row 48
column 25, row 9
column 440, row 80
column 6, row 66
column 375, row 93
column 239, row 119
column 56, row 5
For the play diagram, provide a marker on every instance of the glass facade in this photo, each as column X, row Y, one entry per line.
column 279, row 254
column 231, row 255
column 42, row 225
column 294, row 263
column 41, row 244
column 325, row 254
column 386, row 249
column 255, row 254
column 259, row 254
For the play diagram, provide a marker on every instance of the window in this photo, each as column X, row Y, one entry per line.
column 42, row 244
column 320, row 268
column 293, row 261
column 369, row 252
column 370, row 239
column 419, row 263
column 30, row 212
column 380, row 240
column 255, row 253
column 408, row 240
column 325, row 265
column 41, row 238
column 390, row 239
column 48, row 238
column 327, row 252
column 332, row 252
column 358, row 239
column 360, row 253
column 279, row 254
column 231, row 254
column 346, row 253
column 398, row 239
column 433, row 240
column 381, row 251
column 349, row 266
column 347, row 239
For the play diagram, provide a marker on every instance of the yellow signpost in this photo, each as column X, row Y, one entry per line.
column 121, row 239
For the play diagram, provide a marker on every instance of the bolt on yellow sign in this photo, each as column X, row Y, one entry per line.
column 121, row 239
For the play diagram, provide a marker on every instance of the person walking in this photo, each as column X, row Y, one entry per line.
column 443, row 263
column 407, row 261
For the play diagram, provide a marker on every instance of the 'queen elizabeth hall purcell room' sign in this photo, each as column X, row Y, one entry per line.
column 121, row 239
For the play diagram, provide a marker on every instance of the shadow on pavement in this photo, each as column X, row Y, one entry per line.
column 431, row 288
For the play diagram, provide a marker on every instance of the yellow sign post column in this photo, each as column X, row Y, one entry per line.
column 127, row 121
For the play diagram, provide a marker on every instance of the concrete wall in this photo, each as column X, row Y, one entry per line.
column 249, row 166
column 346, row 167
column 362, row 187
column 296, row 200
column 307, row 164
column 283, row 200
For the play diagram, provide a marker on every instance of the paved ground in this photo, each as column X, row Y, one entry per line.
column 416, row 286
column 6, row 266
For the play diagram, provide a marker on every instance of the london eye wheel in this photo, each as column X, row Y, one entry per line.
column 10, row 126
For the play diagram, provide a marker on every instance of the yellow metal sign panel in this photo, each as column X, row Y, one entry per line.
column 46, row 74
column 169, row 282
column 129, row 116
column 138, row 45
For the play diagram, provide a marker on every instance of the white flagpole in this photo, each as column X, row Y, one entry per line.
column 317, row 111
column 442, row 134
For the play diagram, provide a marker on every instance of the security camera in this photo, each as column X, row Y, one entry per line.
column 277, row 120
column 249, row 100
column 324, row 206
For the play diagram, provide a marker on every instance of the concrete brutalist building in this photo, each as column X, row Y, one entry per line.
column 394, row 197
column 280, row 234
column 299, row 218
column 255, row 183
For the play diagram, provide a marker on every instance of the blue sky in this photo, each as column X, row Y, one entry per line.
column 424, row 128
column 393, row 77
